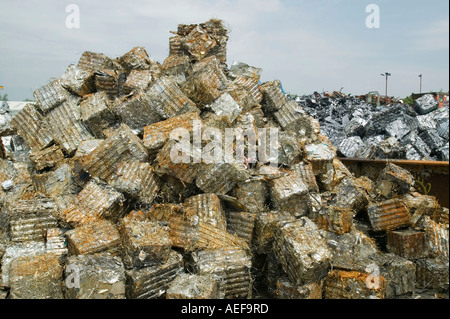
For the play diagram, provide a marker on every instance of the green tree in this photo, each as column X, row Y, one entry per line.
column 4, row 97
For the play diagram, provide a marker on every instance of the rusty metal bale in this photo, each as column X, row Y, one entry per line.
column 177, row 65
column 302, row 251
column 350, row 194
column 78, row 81
column 191, row 286
column 432, row 273
column 168, row 100
column 220, row 178
column 152, row 282
column 91, row 61
column 265, row 225
column 285, row 289
column 407, row 243
column 50, row 96
column 306, row 173
column 246, row 92
column 208, row 208
column 242, row 225
column 32, row 127
column 335, row 219
column 394, row 180
column 163, row 212
column 100, row 276
column 207, row 83
column 66, row 127
column 30, row 219
column 389, row 215
column 198, row 43
column 290, row 194
column 273, row 97
column 121, row 146
column 158, row 134
column 137, row 80
column 111, row 81
column 46, row 158
column 436, row 238
column 226, row 106
column 137, row 180
column 96, row 200
column 232, row 265
column 340, row 284
column 96, row 113
column 136, row 59
column 192, row 235
column 145, row 243
column 93, row 237
column 36, row 277
column 252, row 194
column 136, row 111
column 441, row 215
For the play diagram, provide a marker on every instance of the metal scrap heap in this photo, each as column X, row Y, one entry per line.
column 97, row 202
column 394, row 131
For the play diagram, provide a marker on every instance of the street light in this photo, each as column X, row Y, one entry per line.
column 420, row 76
column 387, row 74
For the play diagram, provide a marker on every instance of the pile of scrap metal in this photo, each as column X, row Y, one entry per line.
column 394, row 131
column 94, row 206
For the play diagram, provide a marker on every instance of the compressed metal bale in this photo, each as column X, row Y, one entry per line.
column 432, row 273
column 136, row 111
column 163, row 212
column 184, row 170
column 32, row 127
column 340, row 284
column 91, row 61
column 335, row 219
column 136, row 59
column 100, row 276
column 198, row 42
column 285, row 289
column 241, row 224
column 320, row 156
column 419, row 145
column 86, row 147
column 46, row 158
column 36, row 277
column 425, row 122
column 351, row 195
column 110, row 80
column 306, row 173
column 206, row 84
column 441, row 216
column 226, row 106
column 389, row 215
column 243, row 70
column 137, row 180
column 96, row 200
column 191, row 286
column 208, row 208
column 157, row 134
column 77, row 80
column 265, row 225
column 145, row 243
column 426, row 104
column 290, row 194
column 252, row 195
column 292, row 118
column 168, row 100
column 273, row 97
column 350, row 248
column 398, row 129
column 121, row 146
column 220, row 178
column 66, row 127
column 152, row 282
column 176, row 46
column 93, row 237
column 174, row 190
column 137, row 80
column 232, row 265
column 302, row 251
column 245, row 90
column 176, row 65
column 50, row 96
column 289, row 149
column 436, row 237
column 188, row 233
column 351, row 146
column 96, row 113
column 356, row 127
column 442, row 128
column 432, row 139
column 407, row 243
column 394, row 180
column 443, row 153
column 389, row 148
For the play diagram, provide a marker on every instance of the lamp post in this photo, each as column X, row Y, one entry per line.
column 420, row 76
column 387, row 74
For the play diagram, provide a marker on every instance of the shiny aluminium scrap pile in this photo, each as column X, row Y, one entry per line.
column 94, row 206
column 394, row 131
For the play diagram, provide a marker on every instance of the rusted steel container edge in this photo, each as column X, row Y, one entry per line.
column 432, row 177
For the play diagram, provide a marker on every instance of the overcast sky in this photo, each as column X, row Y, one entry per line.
column 309, row 45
